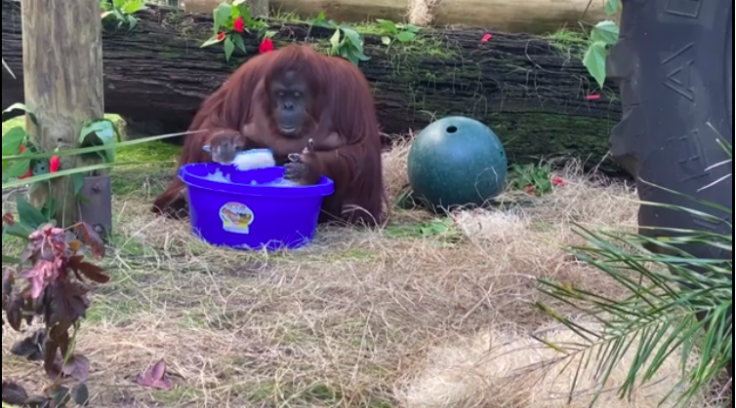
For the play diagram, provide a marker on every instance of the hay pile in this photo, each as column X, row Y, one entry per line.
column 345, row 322
column 507, row 369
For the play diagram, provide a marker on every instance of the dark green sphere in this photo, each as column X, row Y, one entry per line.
column 457, row 161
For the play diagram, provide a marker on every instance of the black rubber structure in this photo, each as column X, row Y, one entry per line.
column 674, row 65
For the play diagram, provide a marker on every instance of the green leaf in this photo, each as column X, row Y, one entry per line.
column 239, row 43
column 211, row 41
column 406, row 36
column 13, row 139
column 29, row 215
column 118, row 3
column 223, row 13
column 354, row 37
column 49, row 208
column 99, row 133
column 133, row 6
column 410, row 27
column 612, row 7
column 10, row 260
column 19, row 230
column 335, row 39
column 606, row 32
column 17, row 168
column 595, row 61
column 235, row 12
column 229, row 47
column 16, row 106
column 387, row 25
column 386, row 40
column 132, row 22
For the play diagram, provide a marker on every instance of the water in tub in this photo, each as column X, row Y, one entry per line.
column 249, row 160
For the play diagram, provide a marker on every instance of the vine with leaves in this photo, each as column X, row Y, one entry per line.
column 232, row 20
column 601, row 38
column 122, row 11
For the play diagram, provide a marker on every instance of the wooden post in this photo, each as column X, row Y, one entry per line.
column 63, row 82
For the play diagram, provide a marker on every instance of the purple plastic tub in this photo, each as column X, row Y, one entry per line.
column 245, row 216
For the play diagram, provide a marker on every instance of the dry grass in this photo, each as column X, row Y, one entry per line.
column 344, row 322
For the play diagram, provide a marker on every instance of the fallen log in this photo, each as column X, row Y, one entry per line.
column 529, row 16
column 530, row 90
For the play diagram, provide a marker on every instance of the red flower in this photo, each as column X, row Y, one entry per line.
column 22, row 148
column 54, row 164
column 220, row 36
column 486, row 37
column 558, row 181
column 530, row 190
column 266, row 45
column 28, row 174
column 239, row 25
column 593, row 97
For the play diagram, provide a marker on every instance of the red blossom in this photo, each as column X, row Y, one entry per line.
column 239, row 25
column 593, row 97
column 54, row 164
column 558, row 181
column 266, row 45
column 530, row 190
column 486, row 37
column 22, row 148
column 220, row 36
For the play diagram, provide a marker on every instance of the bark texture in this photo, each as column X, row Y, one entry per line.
column 531, row 90
column 62, row 79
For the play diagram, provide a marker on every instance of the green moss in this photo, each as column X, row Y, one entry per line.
column 157, row 152
column 528, row 132
column 568, row 42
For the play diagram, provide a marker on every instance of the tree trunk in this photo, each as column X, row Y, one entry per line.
column 62, row 75
column 532, row 91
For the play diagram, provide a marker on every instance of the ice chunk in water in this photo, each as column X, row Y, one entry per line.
column 281, row 182
column 219, row 177
column 254, row 159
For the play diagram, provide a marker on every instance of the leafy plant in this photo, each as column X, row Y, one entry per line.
column 100, row 132
column 601, row 38
column 51, row 278
column 122, row 11
column 392, row 32
column 346, row 42
column 668, row 290
column 53, row 287
column 232, row 20
column 534, row 179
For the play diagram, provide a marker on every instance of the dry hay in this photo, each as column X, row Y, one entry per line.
column 508, row 369
column 420, row 12
column 337, row 324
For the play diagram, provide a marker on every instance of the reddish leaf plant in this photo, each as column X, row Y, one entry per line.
column 155, row 377
column 56, row 279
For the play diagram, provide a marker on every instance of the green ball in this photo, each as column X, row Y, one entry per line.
column 457, row 161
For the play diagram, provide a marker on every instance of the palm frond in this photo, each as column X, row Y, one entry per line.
column 668, row 289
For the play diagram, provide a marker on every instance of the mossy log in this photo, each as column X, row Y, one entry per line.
column 531, row 90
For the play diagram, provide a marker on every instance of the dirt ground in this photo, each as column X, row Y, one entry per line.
column 346, row 322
